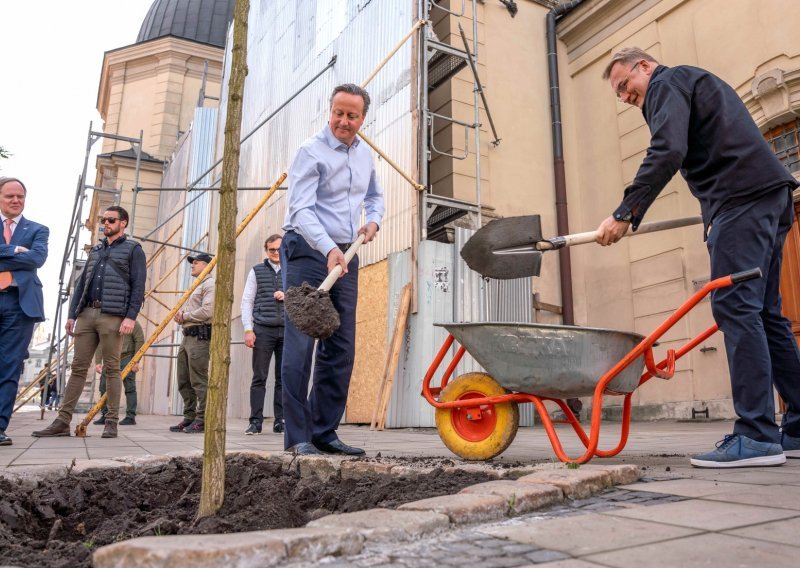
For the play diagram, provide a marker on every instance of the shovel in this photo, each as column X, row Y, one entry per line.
column 512, row 247
column 311, row 309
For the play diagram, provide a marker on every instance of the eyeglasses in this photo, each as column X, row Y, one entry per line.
column 622, row 87
column 109, row 220
column 274, row 249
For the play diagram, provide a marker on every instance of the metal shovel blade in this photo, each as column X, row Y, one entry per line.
column 524, row 232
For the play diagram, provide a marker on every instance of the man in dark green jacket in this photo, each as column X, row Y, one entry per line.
column 130, row 345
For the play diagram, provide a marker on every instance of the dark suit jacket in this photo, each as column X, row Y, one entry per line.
column 23, row 265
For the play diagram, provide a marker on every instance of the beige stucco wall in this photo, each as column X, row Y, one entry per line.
column 517, row 174
column 154, row 87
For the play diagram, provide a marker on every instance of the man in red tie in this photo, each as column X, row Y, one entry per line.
column 23, row 250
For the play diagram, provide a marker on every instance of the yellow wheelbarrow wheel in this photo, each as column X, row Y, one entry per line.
column 477, row 433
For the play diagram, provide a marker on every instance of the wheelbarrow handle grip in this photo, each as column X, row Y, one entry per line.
column 746, row 275
column 588, row 237
column 333, row 275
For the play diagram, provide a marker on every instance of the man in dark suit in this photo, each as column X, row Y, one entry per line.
column 23, row 249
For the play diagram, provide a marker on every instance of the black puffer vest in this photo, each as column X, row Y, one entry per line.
column 116, row 275
column 266, row 310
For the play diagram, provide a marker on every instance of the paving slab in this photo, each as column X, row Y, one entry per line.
column 686, row 487
column 572, row 563
column 784, row 531
column 706, row 515
column 701, row 550
column 580, row 535
column 783, row 497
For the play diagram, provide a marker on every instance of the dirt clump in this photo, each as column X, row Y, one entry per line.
column 59, row 523
column 311, row 311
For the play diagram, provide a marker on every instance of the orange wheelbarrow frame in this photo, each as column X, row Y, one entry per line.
column 663, row 370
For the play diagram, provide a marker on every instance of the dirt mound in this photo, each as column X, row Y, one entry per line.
column 60, row 523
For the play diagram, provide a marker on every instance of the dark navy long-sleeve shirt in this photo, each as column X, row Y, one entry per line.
column 700, row 126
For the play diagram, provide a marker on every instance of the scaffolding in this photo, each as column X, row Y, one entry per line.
column 439, row 63
column 58, row 341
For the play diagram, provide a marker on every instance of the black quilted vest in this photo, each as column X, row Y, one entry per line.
column 116, row 276
column 267, row 310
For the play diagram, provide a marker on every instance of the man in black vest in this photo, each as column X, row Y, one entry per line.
column 107, row 298
column 262, row 318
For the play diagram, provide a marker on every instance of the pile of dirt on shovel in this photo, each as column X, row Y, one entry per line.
column 61, row 522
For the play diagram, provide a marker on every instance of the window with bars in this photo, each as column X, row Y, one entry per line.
column 785, row 142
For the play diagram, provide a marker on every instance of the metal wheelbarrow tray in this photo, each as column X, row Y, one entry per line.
column 476, row 413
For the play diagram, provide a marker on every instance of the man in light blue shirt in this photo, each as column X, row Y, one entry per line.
column 331, row 179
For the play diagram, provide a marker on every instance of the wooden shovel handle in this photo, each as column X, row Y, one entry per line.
column 588, row 237
column 333, row 275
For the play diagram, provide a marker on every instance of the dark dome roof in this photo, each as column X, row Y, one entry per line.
column 204, row 21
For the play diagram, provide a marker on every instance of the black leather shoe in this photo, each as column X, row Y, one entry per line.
column 4, row 440
column 101, row 420
column 180, row 425
column 338, row 447
column 128, row 421
column 278, row 427
column 305, row 449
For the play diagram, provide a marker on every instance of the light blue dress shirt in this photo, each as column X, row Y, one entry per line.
column 328, row 185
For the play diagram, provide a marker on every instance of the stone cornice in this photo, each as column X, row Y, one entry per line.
column 595, row 22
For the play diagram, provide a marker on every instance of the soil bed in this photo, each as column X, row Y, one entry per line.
column 60, row 522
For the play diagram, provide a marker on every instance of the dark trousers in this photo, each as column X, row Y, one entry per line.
column 761, row 349
column 269, row 340
column 16, row 330
column 193, row 356
column 129, row 384
column 316, row 415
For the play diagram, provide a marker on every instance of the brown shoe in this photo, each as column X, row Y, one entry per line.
column 57, row 428
column 110, row 431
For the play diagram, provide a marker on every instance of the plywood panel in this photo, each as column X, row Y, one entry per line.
column 371, row 326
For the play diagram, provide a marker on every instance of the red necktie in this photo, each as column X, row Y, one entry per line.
column 5, row 277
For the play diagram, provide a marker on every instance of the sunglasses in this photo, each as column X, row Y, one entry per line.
column 109, row 220
column 274, row 249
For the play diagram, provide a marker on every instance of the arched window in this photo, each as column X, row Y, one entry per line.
column 785, row 142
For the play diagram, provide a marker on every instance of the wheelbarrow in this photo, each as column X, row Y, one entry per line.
column 477, row 414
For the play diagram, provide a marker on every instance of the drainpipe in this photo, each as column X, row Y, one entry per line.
column 562, row 216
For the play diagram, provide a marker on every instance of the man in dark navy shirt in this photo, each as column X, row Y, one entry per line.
column 700, row 126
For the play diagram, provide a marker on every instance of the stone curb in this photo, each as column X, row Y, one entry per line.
column 386, row 525
column 516, row 490
column 239, row 550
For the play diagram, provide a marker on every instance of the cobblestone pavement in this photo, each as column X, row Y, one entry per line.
column 474, row 547
column 676, row 516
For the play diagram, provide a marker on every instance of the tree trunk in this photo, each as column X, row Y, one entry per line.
column 212, row 492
